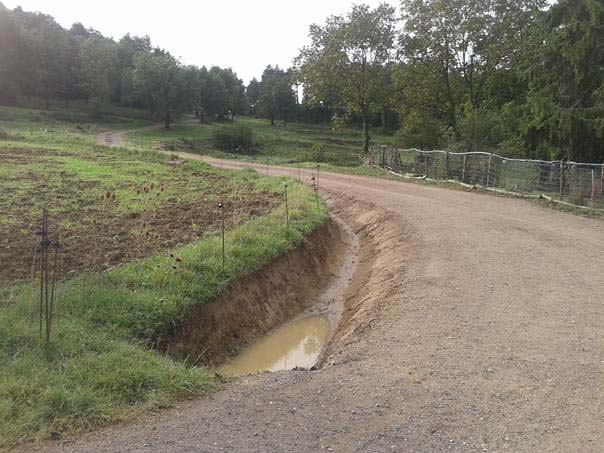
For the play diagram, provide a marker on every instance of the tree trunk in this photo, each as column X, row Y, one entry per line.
column 272, row 120
column 168, row 121
column 366, row 137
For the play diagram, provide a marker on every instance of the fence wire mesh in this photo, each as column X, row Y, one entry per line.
column 577, row 183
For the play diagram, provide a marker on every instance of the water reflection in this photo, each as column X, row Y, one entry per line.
column 297, row 344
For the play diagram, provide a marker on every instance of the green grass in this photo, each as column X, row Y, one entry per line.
column 101, row 366
column 282, row 144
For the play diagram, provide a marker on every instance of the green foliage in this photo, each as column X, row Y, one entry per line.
column 421, row 131
column 161, row 83
column 276, row 97
column 238, row 139
column 345, row 62
column 566, row 82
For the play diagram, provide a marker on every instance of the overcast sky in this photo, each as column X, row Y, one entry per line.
column 246, row 35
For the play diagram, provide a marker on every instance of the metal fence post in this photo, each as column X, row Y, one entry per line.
column 593, row 184
column 489, row 170
column 463, row 170
column 400, row 163
column 561, row 178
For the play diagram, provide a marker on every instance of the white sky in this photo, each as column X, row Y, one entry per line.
column 246, row 35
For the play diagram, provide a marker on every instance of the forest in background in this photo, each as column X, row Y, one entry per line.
column 519, row 77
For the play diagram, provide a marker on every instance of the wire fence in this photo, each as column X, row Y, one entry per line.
column 572, row 182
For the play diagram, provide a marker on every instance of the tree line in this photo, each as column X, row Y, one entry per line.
column 519, row 77
column 39, row 58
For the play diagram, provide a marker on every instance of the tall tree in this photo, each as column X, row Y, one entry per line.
column 99, row 59
column 163, row 83
column 276, row 97
column 9, row 42
column 347, row 58
column 453, row 48
column 566, row 77
column 252, row 93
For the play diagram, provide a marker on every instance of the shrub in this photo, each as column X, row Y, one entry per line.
column 419, row 130
column 3, row 134
column 238, row 139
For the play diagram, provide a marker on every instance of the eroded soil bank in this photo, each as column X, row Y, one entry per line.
column 311, row 277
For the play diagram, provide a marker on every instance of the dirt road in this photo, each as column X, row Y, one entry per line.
column 474, row 323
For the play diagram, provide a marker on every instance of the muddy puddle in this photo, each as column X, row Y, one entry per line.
column 301, row 342
column 296, row 344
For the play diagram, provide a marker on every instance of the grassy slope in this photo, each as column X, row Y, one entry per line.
column 281, row 144
column 99, row 368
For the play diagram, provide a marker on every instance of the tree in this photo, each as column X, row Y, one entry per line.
column 162, row 83
column 346, row 59
column 456, row 46
column 9, row 39
column 252, row 93
column 99, row 59
column 276, row 97
column 214, row 97
column 566, row 78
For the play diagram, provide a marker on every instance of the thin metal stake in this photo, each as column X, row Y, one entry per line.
column 318, row 173
column 43, row 257
column 221, row 207
column 314, row 185
column 286, row 206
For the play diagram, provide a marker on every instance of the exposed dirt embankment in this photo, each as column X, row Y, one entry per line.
column 263, row 300
column 378, row 278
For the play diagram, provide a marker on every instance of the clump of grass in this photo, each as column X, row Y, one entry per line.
column 87, row 379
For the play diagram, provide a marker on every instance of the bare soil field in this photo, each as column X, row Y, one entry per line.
column 110, row 209
column 473, row 323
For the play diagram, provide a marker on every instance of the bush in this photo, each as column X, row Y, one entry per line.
column 419, row 130
column 317, row 154
column 3, row 134
column 238, row 139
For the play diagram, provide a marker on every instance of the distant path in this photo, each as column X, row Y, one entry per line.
column 113, row 139
column 474, row 323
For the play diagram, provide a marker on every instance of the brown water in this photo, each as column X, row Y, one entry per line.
column 297, row 344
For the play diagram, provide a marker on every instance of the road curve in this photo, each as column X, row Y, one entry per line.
column 476, row 324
